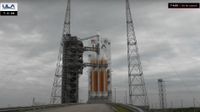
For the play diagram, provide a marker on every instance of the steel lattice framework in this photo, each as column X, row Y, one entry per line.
column 57, row 84
column 137, row 90
column 162, row 94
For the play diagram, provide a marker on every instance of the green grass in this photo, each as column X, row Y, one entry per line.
column 178, row 110
column 121, row 109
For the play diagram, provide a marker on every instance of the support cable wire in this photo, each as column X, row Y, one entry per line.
column 170, row 66
column 176, row 73
column 183, row 82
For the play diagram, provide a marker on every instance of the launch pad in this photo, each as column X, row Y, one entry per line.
column 100, row 75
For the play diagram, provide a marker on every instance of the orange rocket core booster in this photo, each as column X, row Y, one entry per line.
column 101, row 83
column 99, row 77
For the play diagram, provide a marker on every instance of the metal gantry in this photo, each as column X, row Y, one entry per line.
column 137, row 89
column 66, row 29
column 57, row 83
column 70, row 65
column 162, row 94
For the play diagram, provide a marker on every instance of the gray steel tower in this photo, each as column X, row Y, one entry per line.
column 137, row 90
column 57, row 84
column 69, row 66
column 162, row 94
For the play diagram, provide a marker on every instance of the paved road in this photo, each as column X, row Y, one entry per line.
column 82, row 108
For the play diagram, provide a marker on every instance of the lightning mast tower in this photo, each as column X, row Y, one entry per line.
column 137, row 90
column 162, row 94
column 69, row 66
column 57, row 84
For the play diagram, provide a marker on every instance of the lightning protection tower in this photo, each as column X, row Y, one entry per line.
column 137, row 90
column 69, row 66
column 57, row 84
column 162, row 94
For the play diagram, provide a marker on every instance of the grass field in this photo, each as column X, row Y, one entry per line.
column 191, row 109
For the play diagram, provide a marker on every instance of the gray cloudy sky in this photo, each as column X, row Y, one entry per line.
column 168, row 42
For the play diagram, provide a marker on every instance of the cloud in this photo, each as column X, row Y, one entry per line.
column 168, row 42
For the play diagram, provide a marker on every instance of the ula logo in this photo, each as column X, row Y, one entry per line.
column 8, row 7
